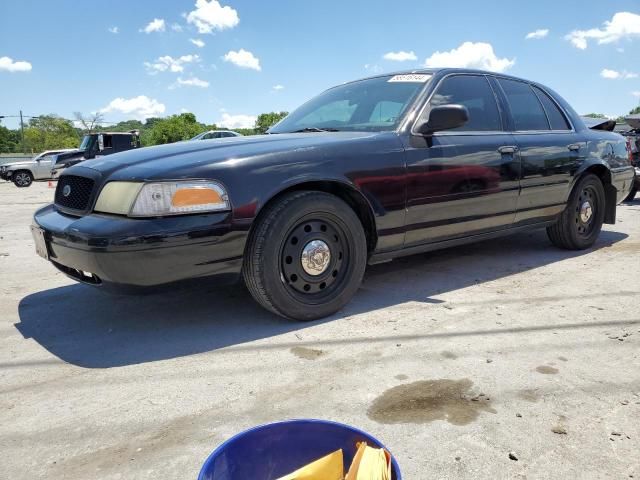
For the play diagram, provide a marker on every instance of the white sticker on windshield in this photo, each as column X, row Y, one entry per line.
column 410, row 77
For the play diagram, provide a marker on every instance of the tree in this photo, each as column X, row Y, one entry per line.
column 89, row 123
column 172, row 129
column 635, row 111
column 49, row 132
column 267, row 120
column 9, row 140
column 595, row 115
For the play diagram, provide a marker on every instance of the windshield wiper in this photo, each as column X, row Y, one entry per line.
column 315, row 129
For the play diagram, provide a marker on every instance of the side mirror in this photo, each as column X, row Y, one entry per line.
column 444, row 117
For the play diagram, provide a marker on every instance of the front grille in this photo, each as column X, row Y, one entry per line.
column 78, row 192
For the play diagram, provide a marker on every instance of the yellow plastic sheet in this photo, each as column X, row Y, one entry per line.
column 325, row 468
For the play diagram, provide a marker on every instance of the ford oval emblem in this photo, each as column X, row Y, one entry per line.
column 66, row 191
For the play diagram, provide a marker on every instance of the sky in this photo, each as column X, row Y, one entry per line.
column 229, row 60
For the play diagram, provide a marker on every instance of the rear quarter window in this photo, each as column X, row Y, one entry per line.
column 556, row 118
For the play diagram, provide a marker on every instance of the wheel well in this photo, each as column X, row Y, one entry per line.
column 349, row 195
column 610, row 192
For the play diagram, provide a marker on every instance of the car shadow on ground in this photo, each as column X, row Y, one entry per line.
column 89, row 328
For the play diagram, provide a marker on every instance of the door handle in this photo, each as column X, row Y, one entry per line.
column 508, row 149
column 574, row 147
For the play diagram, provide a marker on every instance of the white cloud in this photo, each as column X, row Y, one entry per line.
column 237, row 121
column 7, row 64
column 184, row 110
column 175, row 65
column 470, row 55
column 614, row 74
column 156, row 25
column 536, row 34
column 400, row 56
column 197, row 42
column 636, row 94
column 114, row 30
column 193, row 82
column 210, row 15
column 621, row 25
column 139, row 107
column 278, row 87
column 243, row 58
column 176, row 27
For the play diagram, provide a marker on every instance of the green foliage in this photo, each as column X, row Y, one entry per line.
column 171, row 129
column 595, row 115
column 9, row 140
column 49, row 132
column 635, row 111
column 266, row 120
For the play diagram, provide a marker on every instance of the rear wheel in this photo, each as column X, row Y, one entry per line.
column 22, row 178
column 306, row 257
column 580, row 223
column 632, row 194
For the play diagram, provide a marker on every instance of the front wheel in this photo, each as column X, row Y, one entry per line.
column 306, row 256
column 632, row 195
column 22, row 178
column 579, row 225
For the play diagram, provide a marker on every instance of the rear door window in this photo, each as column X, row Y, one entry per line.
column 556, row 118
column 475, row 93
column 526, row 109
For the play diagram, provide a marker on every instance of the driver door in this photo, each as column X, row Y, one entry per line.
column 463, row 181
column 42, row 168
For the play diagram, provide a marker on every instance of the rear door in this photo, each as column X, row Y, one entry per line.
column 549, row 148
column 463, row 181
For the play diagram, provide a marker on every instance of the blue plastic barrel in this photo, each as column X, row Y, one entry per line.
column 276, row 449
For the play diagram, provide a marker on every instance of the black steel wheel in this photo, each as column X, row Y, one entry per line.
column 306, row 256
column 22, row 178
column 581, row 222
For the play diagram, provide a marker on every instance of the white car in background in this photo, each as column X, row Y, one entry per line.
column 211, row 134
column 24, row 172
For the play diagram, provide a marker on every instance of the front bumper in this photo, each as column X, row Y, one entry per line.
column 124, row 253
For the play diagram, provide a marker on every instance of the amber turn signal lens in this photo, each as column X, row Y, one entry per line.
column 187, row 197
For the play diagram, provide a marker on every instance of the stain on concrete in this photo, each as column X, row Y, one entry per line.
column 429, row 400
column 402, row 376
column 563, row 359
column 529, row 395
column 307, row 353
column 547, row 370
column 449, row 355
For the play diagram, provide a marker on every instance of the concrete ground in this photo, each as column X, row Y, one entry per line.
column 453, row 359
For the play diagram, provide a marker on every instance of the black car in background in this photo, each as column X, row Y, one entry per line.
column 367, row 171
column 95, row 145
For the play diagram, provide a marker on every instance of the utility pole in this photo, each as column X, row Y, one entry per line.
column 22, row 132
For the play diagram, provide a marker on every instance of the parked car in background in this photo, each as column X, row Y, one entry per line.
column 632, row 134
column 24, row 172
column 96, row 145
column 367, row 171
column 211, row 134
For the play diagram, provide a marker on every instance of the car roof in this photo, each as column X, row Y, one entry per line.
column 443, row 71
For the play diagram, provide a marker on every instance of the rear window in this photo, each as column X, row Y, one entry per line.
column 555, row 116
column 526, row 109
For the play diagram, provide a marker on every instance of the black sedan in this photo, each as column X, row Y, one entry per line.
column 367, row 171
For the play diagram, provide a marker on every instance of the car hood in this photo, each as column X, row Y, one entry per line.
column 173, row 160
column 23, row 163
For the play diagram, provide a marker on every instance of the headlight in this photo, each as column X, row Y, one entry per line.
column 162, row 198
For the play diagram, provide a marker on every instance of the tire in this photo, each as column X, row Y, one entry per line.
column 632, row 195
column 311, row 223
column 580, row 223
column 23, row 178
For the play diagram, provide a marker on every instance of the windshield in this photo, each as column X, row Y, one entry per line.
column 375, row 104
column 87, row 142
